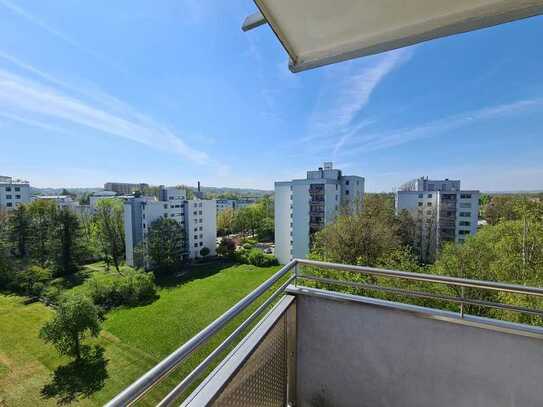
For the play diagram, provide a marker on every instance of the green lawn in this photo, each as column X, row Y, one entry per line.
column 135, row 339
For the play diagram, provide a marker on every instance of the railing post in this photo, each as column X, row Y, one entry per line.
column 462, row 303
column 291, row 354
column 296, row 271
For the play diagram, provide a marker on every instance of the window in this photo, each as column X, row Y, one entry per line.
column 463, row 232
column 201, row 243
column 195, row 213
column 465, row 204
column 429, row 195
column 165, row 206
column 421, row 195
column 144, row 226
column 291, row 224
column 196, row 229
column 195, row 244
column 199, row 212
column 420, row 203
column 9, row 204
column 347, row 182
column 465, row 214
column 8, row 196
column 347, row 192
column 195, row 205
column 195, row 237
column 428, row 212
column 201, row 228
column 8, row 189
column 428, row 203
column 465, row 196
column 201, row 236
column 200, row 204
column 465, row 223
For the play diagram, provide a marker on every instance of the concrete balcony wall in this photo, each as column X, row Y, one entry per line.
column 353, row 353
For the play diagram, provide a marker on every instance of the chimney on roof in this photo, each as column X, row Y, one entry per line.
column 198, row 186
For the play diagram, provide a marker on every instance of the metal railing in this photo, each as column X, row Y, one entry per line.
column 150, row 379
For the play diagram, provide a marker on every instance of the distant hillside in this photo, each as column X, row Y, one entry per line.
column 57, row 191
column 211, row 190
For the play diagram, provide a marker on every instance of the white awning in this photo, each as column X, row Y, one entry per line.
column 321, row 32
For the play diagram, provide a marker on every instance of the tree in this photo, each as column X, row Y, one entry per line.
column 204, row 252
column 225, row 221
column 66, row 249
column 359, row 238
column 226, row 248
column 33, row 279
column 42, row 214
column 110, row 230
column 76, row 318
column 19, row 227
column 165, row 245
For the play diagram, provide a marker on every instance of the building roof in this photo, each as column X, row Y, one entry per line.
column 321, row 32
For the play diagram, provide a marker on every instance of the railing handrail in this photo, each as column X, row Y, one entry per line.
column 433, row 278
column 137, row 389
column 141, row 386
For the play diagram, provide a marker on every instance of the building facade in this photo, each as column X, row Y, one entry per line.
column 305, row 206
column 13, row 192
column 196, row 217
column 223, row 204
column 441, row 210
column 124, row 188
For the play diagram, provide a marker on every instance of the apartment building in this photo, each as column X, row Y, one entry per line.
column 305, row 206
column 443, row 212
column 125, row 188
column 13, row 192
column 245, row 202
column 197, row 218
column 223, row 204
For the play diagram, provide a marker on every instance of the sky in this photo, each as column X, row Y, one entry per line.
column 171, row 92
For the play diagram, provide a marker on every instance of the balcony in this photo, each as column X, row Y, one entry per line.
column 311, row 346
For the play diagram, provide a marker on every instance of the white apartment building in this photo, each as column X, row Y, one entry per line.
column 223, row 204
column 124, row 188
column 442, row 211
column 197, row 218
column 245, row 202
column 13, row 192
column 305, row 206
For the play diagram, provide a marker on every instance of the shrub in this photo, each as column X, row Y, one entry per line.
column 204, row 252
column 133, row 288
column 247, row 246
column 227, row 247
column 256, row 258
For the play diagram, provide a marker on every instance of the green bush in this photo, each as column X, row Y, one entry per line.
column 255, row 257
column 247, row 246
column 133, row 288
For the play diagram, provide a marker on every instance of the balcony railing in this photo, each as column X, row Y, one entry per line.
column 272, row 330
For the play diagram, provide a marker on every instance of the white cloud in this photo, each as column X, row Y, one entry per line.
column 14, row 8
column 350, row 96
column 383, row 140
column 37, row 104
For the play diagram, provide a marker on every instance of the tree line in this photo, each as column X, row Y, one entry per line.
column 510, row 249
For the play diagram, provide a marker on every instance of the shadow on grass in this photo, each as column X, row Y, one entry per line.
column 193, row 271
column 79, row 378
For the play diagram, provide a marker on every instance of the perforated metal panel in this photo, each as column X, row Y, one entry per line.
column 262, row 379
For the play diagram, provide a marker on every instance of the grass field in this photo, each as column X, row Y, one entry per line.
column 134, row 338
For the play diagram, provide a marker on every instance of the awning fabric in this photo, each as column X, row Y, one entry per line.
column 321, row 32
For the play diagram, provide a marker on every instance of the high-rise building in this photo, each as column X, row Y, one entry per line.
column 13, row 192
column 441, row 210
column 197, row 218
column 305, row 206
column 124, row 188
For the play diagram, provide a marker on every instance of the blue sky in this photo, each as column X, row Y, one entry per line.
column 169, row 92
